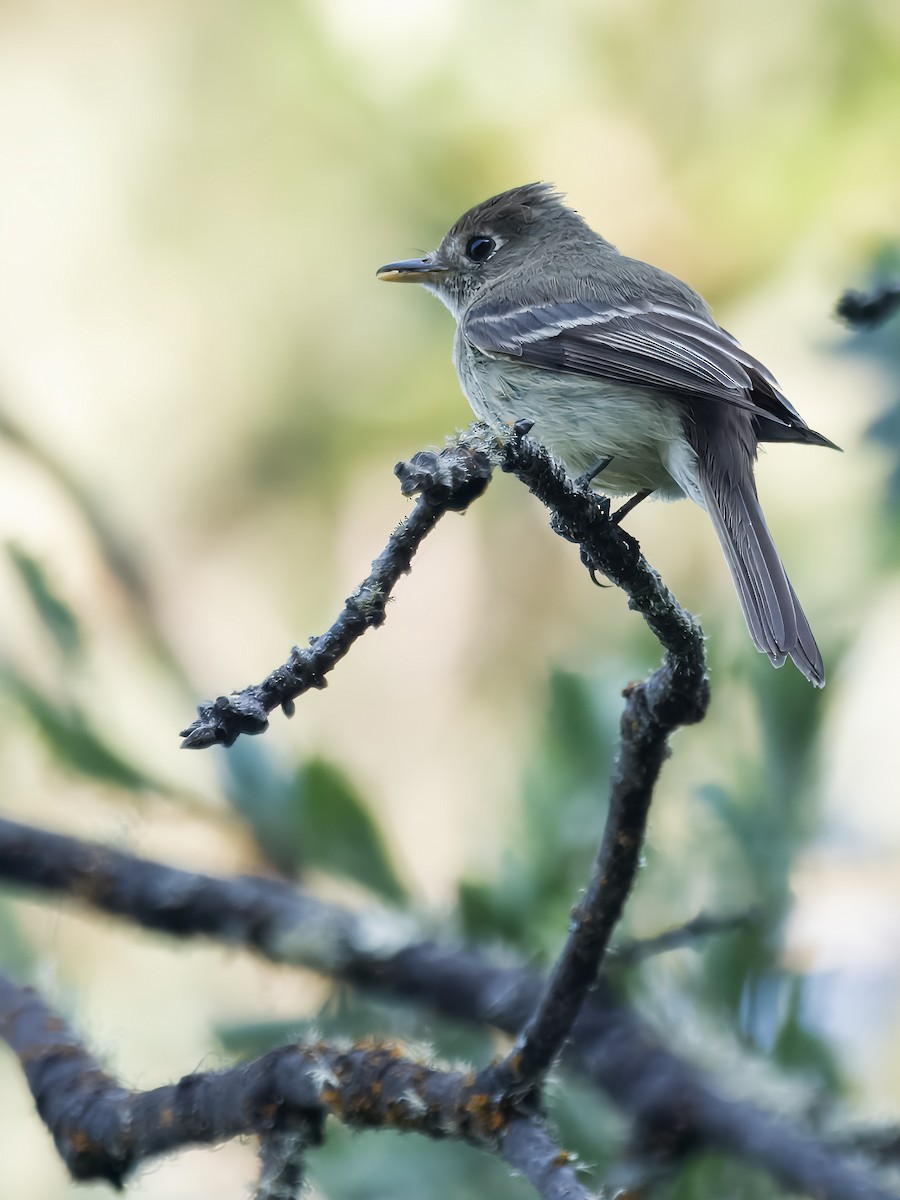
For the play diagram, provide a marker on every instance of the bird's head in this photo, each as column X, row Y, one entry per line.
column 495, row 238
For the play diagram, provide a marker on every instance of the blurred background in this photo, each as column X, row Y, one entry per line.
column 203, row 391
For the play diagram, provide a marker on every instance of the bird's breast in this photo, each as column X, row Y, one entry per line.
column 582, row 419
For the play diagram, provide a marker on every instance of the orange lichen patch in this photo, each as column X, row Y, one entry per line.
column 400, row 1117
column 166, row 1117
column 81, row 1143
column 385, row 1048
column 487, row 1117
column 31, row 1054
column 331, row 1098
column 562, row 1159
column 625, row 840
column 515, row 1062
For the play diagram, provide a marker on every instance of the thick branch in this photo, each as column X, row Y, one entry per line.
column 667, row 1097
column 878, row 1142
column 104, row 1131
column 529, row 1149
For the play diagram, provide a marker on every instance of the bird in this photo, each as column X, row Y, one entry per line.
column 626, row 377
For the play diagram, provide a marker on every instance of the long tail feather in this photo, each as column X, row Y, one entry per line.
column 774, row 617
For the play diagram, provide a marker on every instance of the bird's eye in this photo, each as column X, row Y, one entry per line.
column 479, row 248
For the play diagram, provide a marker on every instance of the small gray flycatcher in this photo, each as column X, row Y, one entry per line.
column 623, row 370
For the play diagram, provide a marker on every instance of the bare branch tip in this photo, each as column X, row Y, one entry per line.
column 867, row 310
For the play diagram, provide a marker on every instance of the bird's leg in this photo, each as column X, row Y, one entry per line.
column 616, row 518
column 623, row 510
column 591, row 473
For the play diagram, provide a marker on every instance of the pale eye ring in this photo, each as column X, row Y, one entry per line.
column 480, row 248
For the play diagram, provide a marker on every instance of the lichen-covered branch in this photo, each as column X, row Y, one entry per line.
column 448, row 481
column 453, row 487
column 104, row 1131
column 668, row 1099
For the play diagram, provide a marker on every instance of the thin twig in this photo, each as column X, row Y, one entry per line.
column 104, row 1131
column 611, row 1045
column 456, row 481
column 282, row 1159
column 879, row 1142
column 702, row 926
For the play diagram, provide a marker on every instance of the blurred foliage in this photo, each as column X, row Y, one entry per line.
column 386, row 1166
column 883, row 346
column 55, row 614
column 349, row 1013
column 65, row 730
column 204, row 389
column 526, row 902
column 17, row 954
column 313, row 817
column 769, row 815
column 58, row 717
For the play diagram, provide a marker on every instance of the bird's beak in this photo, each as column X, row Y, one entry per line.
column 412, row 270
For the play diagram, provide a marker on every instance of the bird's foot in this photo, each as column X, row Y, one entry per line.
column 592, row 569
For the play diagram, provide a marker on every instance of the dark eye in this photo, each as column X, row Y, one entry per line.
column 480, row 248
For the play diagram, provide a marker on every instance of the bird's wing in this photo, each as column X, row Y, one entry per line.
column 647, row 344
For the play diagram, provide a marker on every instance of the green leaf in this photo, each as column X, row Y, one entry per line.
column 65, row 730
column 577, row 738
column 489, row 910
column 57, row 617
column 799, row 1048
column 336, row 831
column 711, row 1174
column 527, row 897
column 249, row 1039
column 16, row 953
column 262, row 792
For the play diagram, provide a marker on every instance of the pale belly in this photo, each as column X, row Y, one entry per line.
column 582, row 420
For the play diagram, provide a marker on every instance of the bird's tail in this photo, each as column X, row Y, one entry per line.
column 776, row 621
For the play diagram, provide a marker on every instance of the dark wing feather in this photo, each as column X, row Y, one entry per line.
column 650, row 345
